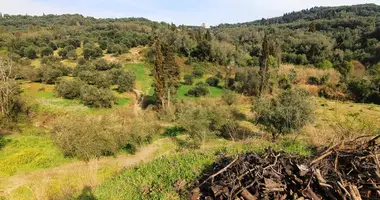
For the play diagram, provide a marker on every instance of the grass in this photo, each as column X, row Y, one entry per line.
column 31, row 150
column 48, row 101
column 215, row 92
column 157, row 179
column 143, row 80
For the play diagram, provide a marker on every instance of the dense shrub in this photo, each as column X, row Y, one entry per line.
column 247, row 82
column 325, row 64
column 360, row 89
column 198, row 73
column 200, row 89
column 125, row 81
column 285, row 114
column 68, row 88
column 87, row 137
column 188, row 78
column 95, row 97
column 285, row 83
column 49, row 73
column 90, row 51
column 212, row 81
column 203, row 119
column 62, row 53
column 219, row 75
column 47, row 51
column 30, row 52
column 313, row 80
column 229, row 97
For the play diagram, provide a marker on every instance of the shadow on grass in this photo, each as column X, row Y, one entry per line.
column 86, row 194
column 173, row 131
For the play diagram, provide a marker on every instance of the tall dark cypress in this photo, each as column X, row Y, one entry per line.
column 264, row 65
column 172, row 74
column 159, row 75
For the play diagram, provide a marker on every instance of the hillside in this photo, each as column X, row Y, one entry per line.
column 368, row 11
column 131, row 108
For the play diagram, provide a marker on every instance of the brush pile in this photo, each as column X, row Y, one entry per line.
column 348, row 170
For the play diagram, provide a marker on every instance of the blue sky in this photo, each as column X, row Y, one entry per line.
column 190, row 12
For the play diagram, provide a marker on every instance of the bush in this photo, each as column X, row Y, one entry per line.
column 198, row 73
column 247, row 82
column 360, row 89
column 325, row 64
column 47, row 51
column 95, row 97
column 229, row 97
column 72, row 55
column 219, row 75
column 87, row 137
column 203, row 119
column 68, row 89
column 30, row 52
column 285, row 114
column 212, row 81
column 200, row 89
column 312, row 80
column 188, row 78
column 62, row 53
column 49, row 73
column 125, row 81
column 285, row 83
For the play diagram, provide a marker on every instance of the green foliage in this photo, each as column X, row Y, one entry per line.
column 30, row 52
column 50, row 72
column 87, row 137
column 46, row 51
column 203, row 120
column 360, row 89
column 96, row 97
column 62, row 53
column 212, row 81
column 188, row 78
column 198, row 72
column 247, row 82
column 125, row 81
column 229, row 97
column 285, row 83
column 286, row 114
column 68, row 89
column 200, row 89
column 312, row 80
column 90, row 51
column 325, row 64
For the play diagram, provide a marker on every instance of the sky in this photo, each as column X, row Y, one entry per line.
column 190, row 12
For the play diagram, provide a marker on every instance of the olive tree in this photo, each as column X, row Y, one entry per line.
column 285, row 114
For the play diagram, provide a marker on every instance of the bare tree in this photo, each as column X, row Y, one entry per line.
column 9, row 89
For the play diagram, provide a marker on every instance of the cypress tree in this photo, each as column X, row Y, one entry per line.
column 159, row 78
column 264, row 65
column 172, row 73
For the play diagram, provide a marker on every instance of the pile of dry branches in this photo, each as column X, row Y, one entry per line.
column 348, row 170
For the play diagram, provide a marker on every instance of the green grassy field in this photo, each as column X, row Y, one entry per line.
column 157, row 179
column 31, row 150
column 47, row 100
column 215, row 92
column 143, row 80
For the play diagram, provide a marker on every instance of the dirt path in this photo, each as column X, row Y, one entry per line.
column 145, row 154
